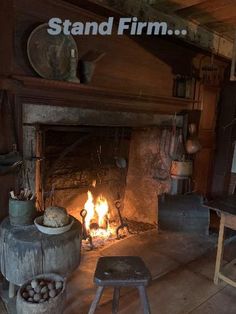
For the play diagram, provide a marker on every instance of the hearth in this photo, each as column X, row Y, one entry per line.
column 107, row 173
column 85, row 171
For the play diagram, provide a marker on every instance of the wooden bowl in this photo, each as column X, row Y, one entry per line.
column 52, row 230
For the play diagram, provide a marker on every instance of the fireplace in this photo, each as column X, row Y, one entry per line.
column 85, row 169
column 112, row 164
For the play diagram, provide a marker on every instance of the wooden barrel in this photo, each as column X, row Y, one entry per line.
column 21, row 213
column 54, row 305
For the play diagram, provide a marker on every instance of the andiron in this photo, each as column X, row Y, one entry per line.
column 123, row 224
column 85, row 234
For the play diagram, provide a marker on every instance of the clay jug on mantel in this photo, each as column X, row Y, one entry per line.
column 192, row 144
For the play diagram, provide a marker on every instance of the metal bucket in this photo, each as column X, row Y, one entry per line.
column 181, row 168
column 21, row 213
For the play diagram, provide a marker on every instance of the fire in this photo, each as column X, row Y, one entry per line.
column 100, row 208
column 89, row 207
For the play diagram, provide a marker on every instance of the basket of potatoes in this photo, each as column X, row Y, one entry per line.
column 42, row 294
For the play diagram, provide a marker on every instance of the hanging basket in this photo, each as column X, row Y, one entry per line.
column 53, row 305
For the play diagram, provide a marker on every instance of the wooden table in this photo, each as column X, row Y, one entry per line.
column 26, row 252
column 226, row 209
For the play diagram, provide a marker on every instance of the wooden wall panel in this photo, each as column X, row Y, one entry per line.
column 209, row 104
column 226, row 135
column 134, row 64
column 203, row 164
column 7, row 139
column 202, row 168
column 6, row 36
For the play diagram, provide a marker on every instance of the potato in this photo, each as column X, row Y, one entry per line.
column 37, row 297
column 25, row 295
column 28, row 287
column 51, row 285
column 44, row 289
column 37, row 289
column 52, row 293
column 31, row 293
column 45, row 296
column 58, row 284
column 30, row 300
column 34, row 283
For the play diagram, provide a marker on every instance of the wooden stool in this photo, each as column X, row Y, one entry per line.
column 117, row 272
column 227, row 220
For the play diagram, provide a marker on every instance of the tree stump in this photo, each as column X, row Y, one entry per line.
column 26, row 252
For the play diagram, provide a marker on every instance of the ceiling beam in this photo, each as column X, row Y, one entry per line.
column 196, row 35
column 170, row 6
column 207, row 7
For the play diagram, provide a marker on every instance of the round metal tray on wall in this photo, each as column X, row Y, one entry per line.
column 50, row 55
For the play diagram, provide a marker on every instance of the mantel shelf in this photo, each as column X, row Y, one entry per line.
column 89, row 96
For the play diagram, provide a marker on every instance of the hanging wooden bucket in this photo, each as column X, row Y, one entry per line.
column 53, row 305
column 21, row 213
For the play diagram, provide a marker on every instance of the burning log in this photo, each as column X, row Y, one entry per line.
column 95, row 219
column 98, row 210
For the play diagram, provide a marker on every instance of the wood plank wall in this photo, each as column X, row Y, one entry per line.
column 204, row 158
column 226, row 137
column 135, row 65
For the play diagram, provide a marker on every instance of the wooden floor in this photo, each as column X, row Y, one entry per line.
column 182, row 268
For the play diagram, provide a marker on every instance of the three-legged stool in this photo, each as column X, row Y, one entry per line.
column 117, row 272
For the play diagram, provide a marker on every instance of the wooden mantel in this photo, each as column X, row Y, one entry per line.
column 51, row 92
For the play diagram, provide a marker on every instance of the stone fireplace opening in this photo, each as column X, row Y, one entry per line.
column 112, row 164
column 85, row 167
column 105, row 172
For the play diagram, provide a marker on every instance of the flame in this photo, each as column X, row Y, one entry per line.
column 89, row 207
column 101, row 209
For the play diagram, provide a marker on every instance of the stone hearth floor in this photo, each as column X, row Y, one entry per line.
column 182, row 268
